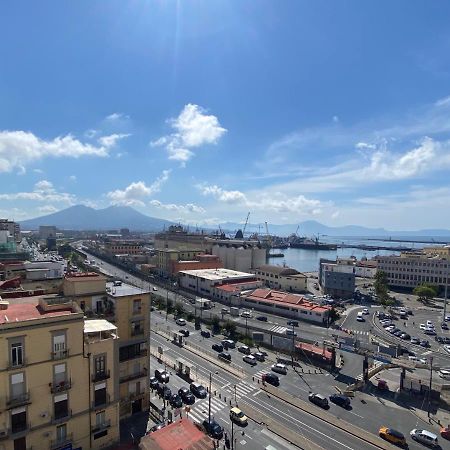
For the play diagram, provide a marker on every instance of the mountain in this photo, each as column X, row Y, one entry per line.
column 313, row 228
column 82, row 217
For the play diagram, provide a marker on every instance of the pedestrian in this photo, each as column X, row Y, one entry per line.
column 413, row 323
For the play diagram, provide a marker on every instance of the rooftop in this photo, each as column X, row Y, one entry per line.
column 83, row 276
column 98, row 325
column 217, row 274
column 124, row 290
column 279, row 270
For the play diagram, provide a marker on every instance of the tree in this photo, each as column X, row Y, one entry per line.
column 169, row 306
column 381, row 287
column 425, row 292
column 215, row 323
column 334, row 315
column 230, row 328
column 179, row 309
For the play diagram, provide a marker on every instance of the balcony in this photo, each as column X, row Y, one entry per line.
column 61, row 386
column 60, row 354
column 19, row 399
column 18, row 428
column 12, row 366
column 129, row 357
column 100, row 402
column 62, row 416
column 133, row 376
column 101, row 426
column 137, row 332
column 100, row 376
column 61, row 442
column 135, row 395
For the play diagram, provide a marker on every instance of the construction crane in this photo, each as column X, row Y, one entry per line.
column 269, row 238
column 296, row 231
column 245, row 225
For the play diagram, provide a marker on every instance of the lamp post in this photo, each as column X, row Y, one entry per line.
column 429, row 388
column 445, row 292
column 209, row 401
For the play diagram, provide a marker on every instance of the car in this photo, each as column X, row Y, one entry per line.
column 422, row 326
column 405, row 336
column 447, row 340
column 153, row 382
column 225, row 356
column 184, row 332
column 444, row 326
column 225, row 310
column 318, row 399
column 213, row 429
column 415, row 340
column 430, row 331
column 360, row 318
column 228, row 343
column 424, row 343
column 340, row 399
column 181, row 322
column 259, row 356
column 217, row 347
column 390, row 328
column 365, row 311
column 439, row 339
column 270, row 378
column 392, row 436
column 430, row 323
column 162, row 375
column 163, row 391
column 397, row 333
column 237, row 416
column 249, row 359
column 186, row 395
column 290, row 332
column 154, row 288
column 176, row 401
column 447, row 348
column 445, row 432
column 205, row 333
column 198, row 390
column 261, row 318
column 279, row 368
column 424, row 437
column 447, row 318
column 246, row 314
column 386, row 324
column 292, row 323
column 444, row 373
column 244, row 349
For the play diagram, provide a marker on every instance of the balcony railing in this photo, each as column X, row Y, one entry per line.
column 135, row 395
column 139, row 354
column 137, row 332
column 101, row 426
column 133, row 376
column 99, row 376
column 61, row 386
column 12, row 366
column 19, row 428
column 60, row 354
column 100, row 403
column 62, row 416
column 61, row 442
column 19, row 399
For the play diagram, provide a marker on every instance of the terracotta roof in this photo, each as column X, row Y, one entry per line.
column 21, row 312
column 315, row 350
column 180, row 435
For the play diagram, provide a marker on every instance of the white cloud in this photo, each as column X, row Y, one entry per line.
column 335, row 119
column 114, row 117
column 187, row 208
column 137, row 192
column 43, row 192
column 47, row 209
column 111, row 140
column 73, row 178
column 443, row 102
column 365, row 145
column 192, row 128
column 40, row 171
column 222, row 194
column 19, row 148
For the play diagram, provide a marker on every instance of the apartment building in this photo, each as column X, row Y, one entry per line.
column 48, row 399
column 442, row 251
column 130, row 306
column 12, row 227
column 114, row 248
column 282, row 278
column 166, row 257
column 337, row 278
column 409, row 270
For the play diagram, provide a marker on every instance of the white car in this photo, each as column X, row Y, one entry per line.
column 423, row 326
column 390, row 328
column 250, row 359
column 246, row 314
column 447, row 348
column 430, row 324
column 365, row 311
column 181, row 322
column 424, row 437
column 280, row 368
column 154, row 288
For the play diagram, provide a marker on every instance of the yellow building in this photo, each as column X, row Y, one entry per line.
column 45, row 366
column 283, row 278
column 131, row 316
column 440, row 251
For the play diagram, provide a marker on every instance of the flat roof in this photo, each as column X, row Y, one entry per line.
column 124, row 290
column 84, row 276
column 217, row 274
column 21, row 312
column 96, row 325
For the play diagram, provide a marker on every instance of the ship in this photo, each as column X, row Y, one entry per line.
column 305, row 243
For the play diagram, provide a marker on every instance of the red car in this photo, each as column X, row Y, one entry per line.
column 445, row 432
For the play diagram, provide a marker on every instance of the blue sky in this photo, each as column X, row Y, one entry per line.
column 201, row 111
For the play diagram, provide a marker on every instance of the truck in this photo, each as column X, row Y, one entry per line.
column 234, row 311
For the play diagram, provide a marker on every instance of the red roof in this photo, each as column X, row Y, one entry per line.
column 233, row 287
column 180, row 435
column 315, row 350
column 20, row 312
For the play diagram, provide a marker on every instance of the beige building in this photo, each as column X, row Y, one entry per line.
column 412, row 269
column 177, row 238
column 166, row 257
column 123, row 248
column 50, row 397
column 282, row 278
column 440, row 251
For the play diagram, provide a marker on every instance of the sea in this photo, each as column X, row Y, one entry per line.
column 308, row 260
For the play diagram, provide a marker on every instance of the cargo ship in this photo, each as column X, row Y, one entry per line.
column 311, row 244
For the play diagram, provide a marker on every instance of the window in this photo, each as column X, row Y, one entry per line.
column 18, row 420
column 137, row 307
column 59, row 345
column 17, row 387
column 100, row 365
column 16, row 354
column 100, row 397
column 61, row 406
column 59, row 375
column 100, row 418
column 137, row 328
column 61, row 433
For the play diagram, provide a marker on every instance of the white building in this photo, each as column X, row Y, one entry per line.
column 205, row 281
column 43, row 270
column 283, row 278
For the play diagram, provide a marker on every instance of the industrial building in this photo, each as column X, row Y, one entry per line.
column 239, row 254
column 281, row 277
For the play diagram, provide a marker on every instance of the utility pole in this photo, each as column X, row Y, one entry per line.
column 429, row 390
column 445, row 294
column 209, row 402
column 246, row 326
column 232, row 433
column 235, row 398
column 167, row 304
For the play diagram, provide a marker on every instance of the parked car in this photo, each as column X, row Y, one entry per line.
column 244, row 349
column 217, row 347
column 439, row 339
column 186, row 395
column 430, row 331
column 225, row 310
column 228, row 343
column 246, row 314
column 405, row 336
column 292, row 323
column 444, row 326
column 261, row 318
column 163, row 391
column 415, row 340
column 270, row 378
column 225, row 356
column 154, row 288
column 340, row 399
column 365, row 311
column 259, row 356
column 447, row 348
column 422, row 326
column 205, row 333
column 392, row 436
column 162, row 375
column 281, row 368
column 424, row 343
column 198, row 390
column 237, row 416
column 249, row 359
column 213, row 429
column 176, row 401
column 184, row 332
column 318, row 399
column 447, row 317
column 181, row 322
column 153, row 382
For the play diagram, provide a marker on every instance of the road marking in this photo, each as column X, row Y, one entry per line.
column 225, row 385
column 223, row 420
column 256, row 393
column 351, row 412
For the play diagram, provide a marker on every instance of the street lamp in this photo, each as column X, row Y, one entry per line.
column 209, row 401
column 445, row 292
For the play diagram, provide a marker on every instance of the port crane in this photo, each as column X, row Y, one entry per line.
column 269, row 238
column 245, row 225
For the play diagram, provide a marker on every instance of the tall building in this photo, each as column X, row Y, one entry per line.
column 12, row 227
column 337, row 278
column 47, row 231
column 409, row 269
column 49, row 396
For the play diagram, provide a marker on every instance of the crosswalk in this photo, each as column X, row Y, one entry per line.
column 199, row 411
column 258, row 375
column 278, row 329
column 361, row 332
column 242, row 389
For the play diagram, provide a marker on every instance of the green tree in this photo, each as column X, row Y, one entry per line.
column 425, row 292
column 334, row 315
column 230, row 328
column 381, row 287
column 215, row 323
column 179, row 309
